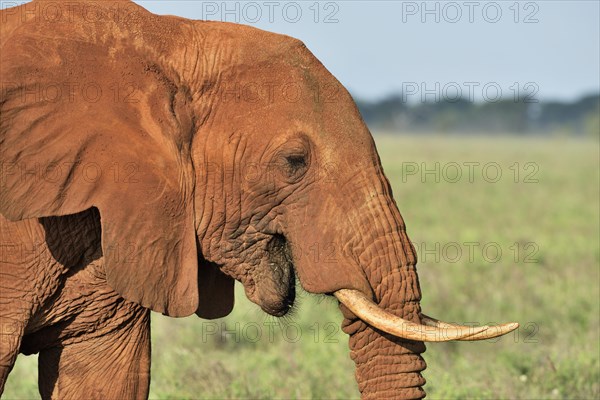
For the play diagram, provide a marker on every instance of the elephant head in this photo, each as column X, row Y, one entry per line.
column 215, row 152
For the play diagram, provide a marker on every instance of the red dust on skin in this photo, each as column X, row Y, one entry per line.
column 182, row 120
column 210, row 101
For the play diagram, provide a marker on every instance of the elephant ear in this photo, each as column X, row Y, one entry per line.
column 81, row 129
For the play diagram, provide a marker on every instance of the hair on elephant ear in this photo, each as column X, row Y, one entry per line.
column 129, row 159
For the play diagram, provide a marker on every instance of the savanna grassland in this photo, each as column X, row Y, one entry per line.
column 523, row 246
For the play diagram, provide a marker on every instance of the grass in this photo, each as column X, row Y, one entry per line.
column 547, row 278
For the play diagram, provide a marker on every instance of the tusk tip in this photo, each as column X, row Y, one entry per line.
column 511, row 326
column 494, row 331
column 487, row 333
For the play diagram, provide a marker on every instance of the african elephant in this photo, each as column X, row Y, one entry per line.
column 148, row 162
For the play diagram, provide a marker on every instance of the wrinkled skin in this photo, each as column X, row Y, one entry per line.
column 235, row 153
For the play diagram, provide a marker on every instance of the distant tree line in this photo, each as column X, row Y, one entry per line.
column 394, row 114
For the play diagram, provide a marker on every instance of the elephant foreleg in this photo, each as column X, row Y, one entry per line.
column 111, row 366
column 11, row 333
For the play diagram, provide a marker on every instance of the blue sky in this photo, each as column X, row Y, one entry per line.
column 545, row 49
column 380, row 47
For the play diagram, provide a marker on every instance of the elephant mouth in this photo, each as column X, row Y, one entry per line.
column 273, row 285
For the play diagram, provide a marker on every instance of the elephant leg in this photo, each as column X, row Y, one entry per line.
column 11, row 333
column 111, row 366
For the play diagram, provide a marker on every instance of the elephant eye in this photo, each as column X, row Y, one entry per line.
column 292, row 159
column 296, row 162
column 293, row 167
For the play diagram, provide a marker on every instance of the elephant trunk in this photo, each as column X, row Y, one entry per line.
column 386, row 327
column 387, row 366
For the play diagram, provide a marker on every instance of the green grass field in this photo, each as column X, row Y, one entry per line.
column 546, row 227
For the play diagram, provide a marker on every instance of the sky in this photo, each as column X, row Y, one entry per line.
column 435, row 49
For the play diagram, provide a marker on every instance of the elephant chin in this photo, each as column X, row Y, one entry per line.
column 274, row 287
column 279, row 307
column 273, row 302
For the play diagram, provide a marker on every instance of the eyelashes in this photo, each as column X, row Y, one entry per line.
column 293, row 159
column 296, row 163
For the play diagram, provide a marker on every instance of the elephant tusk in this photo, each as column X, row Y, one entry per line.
column 371, row 313
column 491, row 332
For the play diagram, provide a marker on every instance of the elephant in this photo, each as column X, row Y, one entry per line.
column 149, row 162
